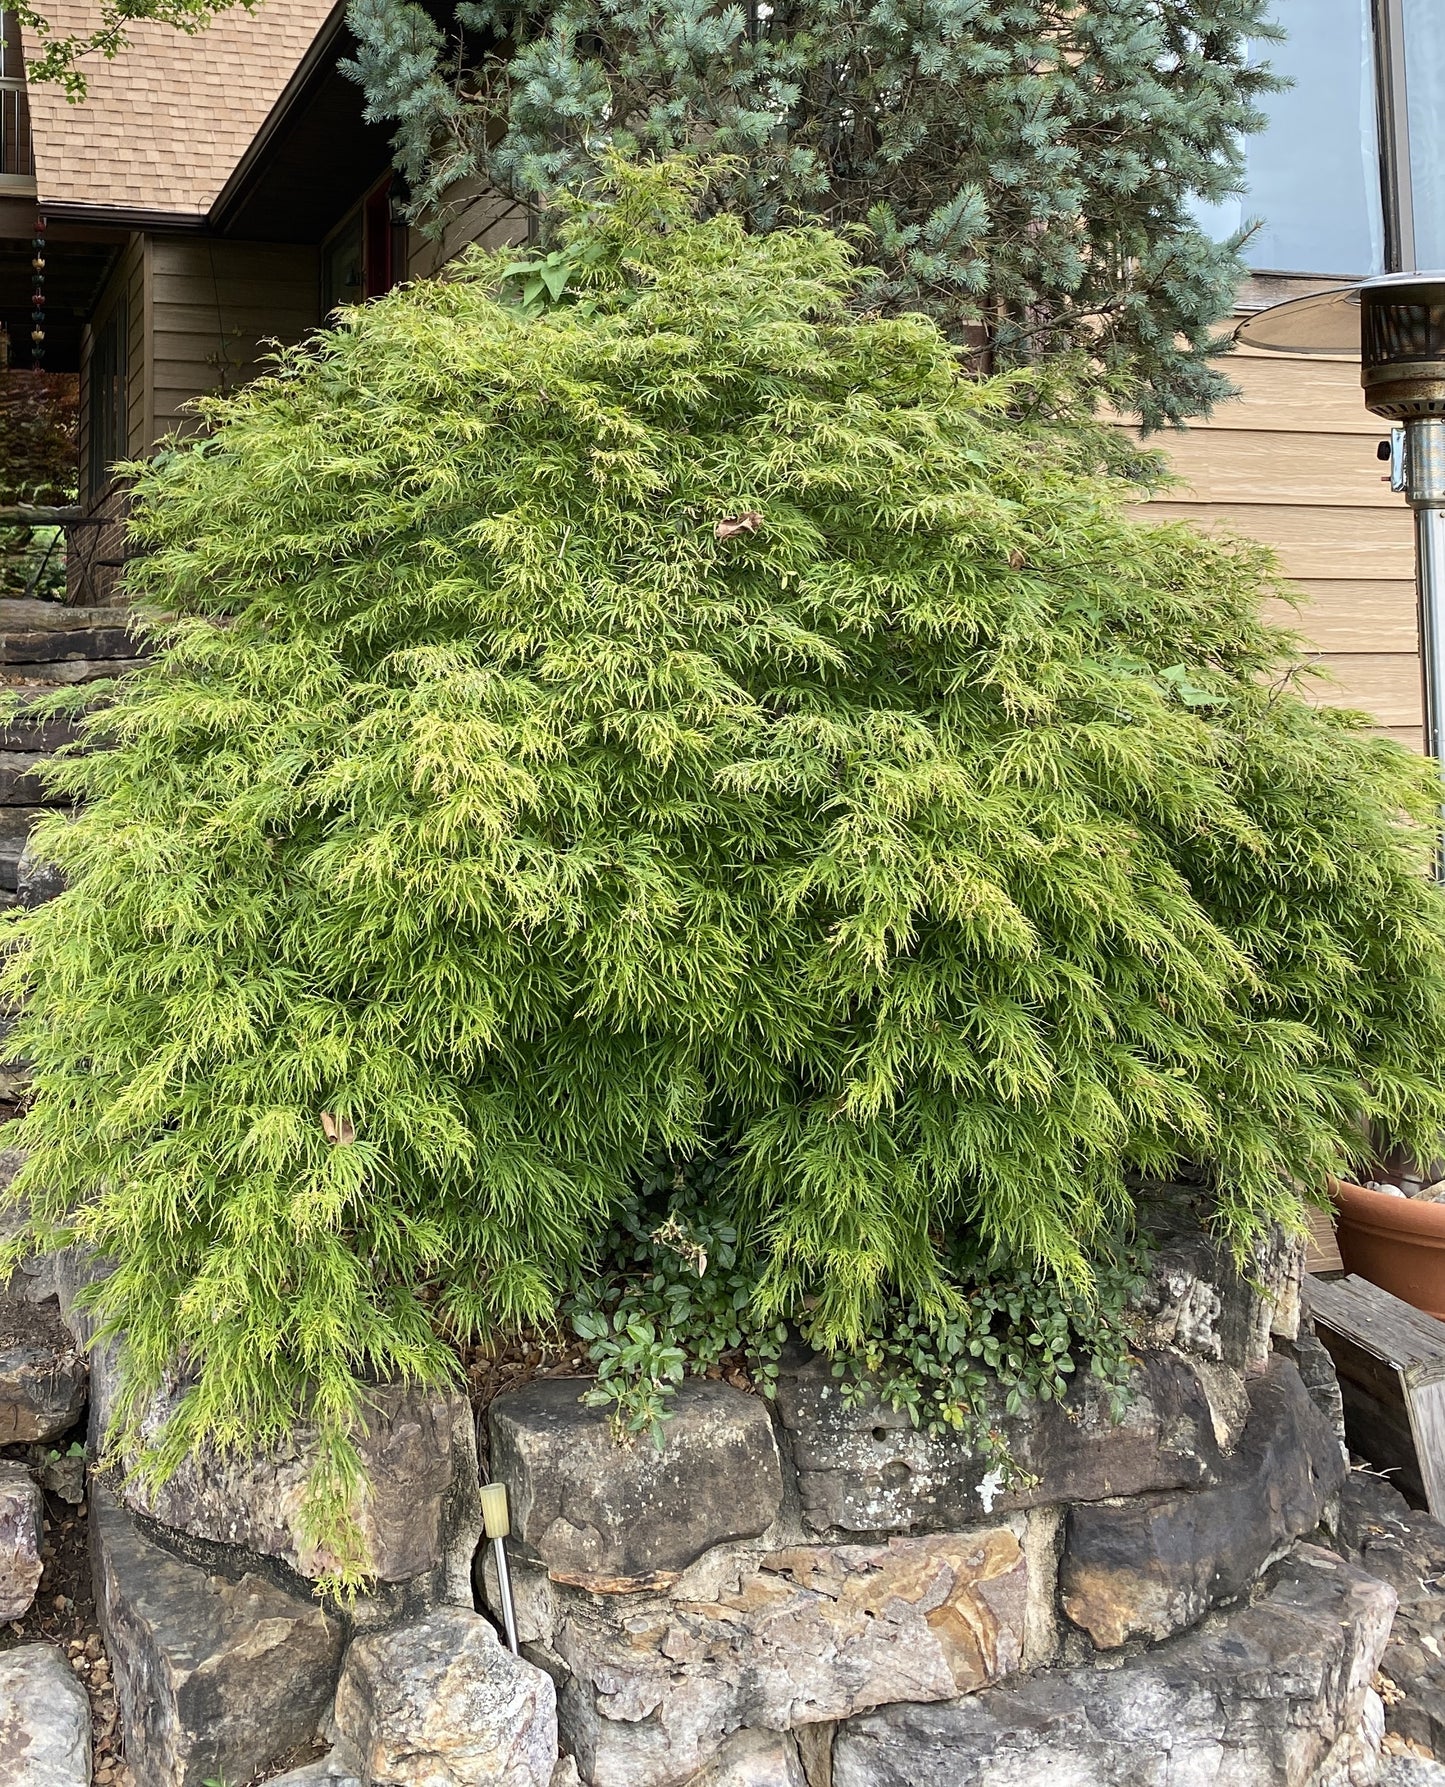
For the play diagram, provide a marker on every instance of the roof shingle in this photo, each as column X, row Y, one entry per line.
column 164, row 124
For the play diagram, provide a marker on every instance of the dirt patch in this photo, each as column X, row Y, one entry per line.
column 33, row 1324
column 490, row 1370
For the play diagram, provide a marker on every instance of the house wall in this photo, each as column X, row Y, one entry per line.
column 213, row 309
column 93, row 554
column 1292, row 463
column 125, row 284
column 200, row 318
column 474, row 214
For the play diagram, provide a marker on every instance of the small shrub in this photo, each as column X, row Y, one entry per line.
column 686, row 721
column 38, row 425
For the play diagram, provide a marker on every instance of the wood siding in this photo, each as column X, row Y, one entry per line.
column 213, row 308
column 474, row 213
column 199, row 316
column 1292, row 462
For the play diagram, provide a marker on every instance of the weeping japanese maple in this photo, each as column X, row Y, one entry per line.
column 681, row 718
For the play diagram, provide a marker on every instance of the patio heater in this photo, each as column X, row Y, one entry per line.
column 1396, row 324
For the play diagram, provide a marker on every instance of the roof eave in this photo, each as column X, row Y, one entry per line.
column 291, row 96
column 126, row 217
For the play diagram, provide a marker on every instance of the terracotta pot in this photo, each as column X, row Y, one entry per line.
column 1397, row 1243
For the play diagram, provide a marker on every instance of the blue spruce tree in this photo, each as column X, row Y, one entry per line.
column 1022, row 171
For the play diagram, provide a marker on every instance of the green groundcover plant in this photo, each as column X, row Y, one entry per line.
column 673, row 1292
column 658, row 714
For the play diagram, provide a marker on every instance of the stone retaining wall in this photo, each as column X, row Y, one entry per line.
column 809, row 1594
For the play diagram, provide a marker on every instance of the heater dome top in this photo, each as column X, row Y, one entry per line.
column 1396, row 324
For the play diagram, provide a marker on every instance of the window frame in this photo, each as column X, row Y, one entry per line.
column 1392, row 118
column 381, row 252
column 108, row 397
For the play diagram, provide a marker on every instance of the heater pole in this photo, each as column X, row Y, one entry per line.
column 1425, row 489
column 1430, row 547
column 1396, row 324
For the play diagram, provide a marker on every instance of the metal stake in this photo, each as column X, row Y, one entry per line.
column 497, row 1523
column 504, row 1586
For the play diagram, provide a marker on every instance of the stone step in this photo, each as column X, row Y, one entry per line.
column 15, row 827
column 217, row 1679
column 35, row 632
column 28, row 731
column 20, row 782
column 44, row 1718
column 43, row 1373
column 37, row 677
column 22, row 1515
column 1404, row 1546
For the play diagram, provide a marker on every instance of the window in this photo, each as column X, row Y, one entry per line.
column 1314, row 173
column 1420, row 110
column 365, row 254
column 109, row 415
column 343, row 278
column 17, row 161
column 1349, row 176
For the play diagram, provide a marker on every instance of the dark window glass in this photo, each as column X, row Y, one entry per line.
column 361, row 260
column 343, row 266
column 109, row 412
column 16, row 158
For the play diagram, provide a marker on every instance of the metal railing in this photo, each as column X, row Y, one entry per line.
column 17, row 152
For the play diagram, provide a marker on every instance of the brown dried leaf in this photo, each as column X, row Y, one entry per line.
column 747, row 523
column 339, row 1130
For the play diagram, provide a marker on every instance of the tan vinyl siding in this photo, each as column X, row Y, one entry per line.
column 214, row 307
column 1292, row 462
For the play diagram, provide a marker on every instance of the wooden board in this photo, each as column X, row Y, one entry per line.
column 1304, row 396
column 1382, row 684
column 1291, row 462
column 1364, row 544
column 1412, row 737
column 1287, row 393
column 1352, row 615
column 1322, row 1250
column 1391, row 1364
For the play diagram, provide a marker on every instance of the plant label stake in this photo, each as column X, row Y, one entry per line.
column 497, row 1524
